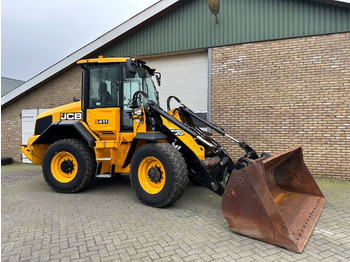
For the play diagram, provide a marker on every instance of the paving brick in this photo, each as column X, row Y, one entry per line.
column 93, row 226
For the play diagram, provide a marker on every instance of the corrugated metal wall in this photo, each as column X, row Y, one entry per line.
column 192, row 26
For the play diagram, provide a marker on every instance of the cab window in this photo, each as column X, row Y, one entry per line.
column 104, row 87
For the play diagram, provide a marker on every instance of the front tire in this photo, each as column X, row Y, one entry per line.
column 158, row 174
column 69, row 166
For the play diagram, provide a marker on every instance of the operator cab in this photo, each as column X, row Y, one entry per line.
column 108, row 87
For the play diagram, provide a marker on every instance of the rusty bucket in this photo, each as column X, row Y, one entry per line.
column 275, row 200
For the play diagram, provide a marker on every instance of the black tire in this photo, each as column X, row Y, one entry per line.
column 84, row 168
column 6, row 161
column 176, row 178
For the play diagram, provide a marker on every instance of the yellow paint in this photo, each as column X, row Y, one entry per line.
column 35, row 153
column 105, row 60
column 107, row 130
column 56, row 170
column 56, row 112
column 90, row 131
column 139, row 123
column 32, row 139
column 146, row 184
column 112, row 152
column 186, row 138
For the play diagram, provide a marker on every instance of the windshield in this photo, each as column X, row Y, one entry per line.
column 141, row 81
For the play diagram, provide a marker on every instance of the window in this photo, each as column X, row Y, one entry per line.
column 141, row 81
column 104, row 87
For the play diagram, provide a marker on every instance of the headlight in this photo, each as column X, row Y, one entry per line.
column 138, row 111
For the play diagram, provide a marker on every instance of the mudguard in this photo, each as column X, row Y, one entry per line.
column 59, row 130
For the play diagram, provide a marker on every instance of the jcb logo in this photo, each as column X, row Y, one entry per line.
column 71, row 116
column 177, row 132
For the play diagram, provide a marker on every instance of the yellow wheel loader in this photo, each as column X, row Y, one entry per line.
column 119, row 127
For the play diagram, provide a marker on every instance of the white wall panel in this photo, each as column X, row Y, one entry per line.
column 28, row 124
column 185, row 76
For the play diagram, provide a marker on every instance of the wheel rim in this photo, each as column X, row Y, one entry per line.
column 151, row 175
column 64, row 167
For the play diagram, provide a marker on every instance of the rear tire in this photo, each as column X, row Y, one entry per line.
column 158, row 174
column 69, row 166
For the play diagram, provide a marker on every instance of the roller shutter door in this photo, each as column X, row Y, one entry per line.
column 185, row 76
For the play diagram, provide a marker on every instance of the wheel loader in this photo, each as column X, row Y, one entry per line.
column 118, row 127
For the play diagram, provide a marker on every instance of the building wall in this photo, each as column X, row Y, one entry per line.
column 276, row 95
column 58, row 91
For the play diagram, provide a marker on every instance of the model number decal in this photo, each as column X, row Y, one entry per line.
column 177, row 132
column 101, row 121
column 71, row 116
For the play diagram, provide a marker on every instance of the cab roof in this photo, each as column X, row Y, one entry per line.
column 102, row 60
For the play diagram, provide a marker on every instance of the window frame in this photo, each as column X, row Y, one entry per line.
column 86, row 83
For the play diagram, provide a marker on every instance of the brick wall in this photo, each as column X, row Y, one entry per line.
column 279, row 94
column 57, row 92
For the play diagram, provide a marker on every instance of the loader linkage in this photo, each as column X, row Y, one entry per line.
column 219, row 164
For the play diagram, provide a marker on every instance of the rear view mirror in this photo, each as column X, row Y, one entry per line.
column 130, row 64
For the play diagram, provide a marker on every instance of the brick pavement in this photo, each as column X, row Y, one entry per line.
column 108, row 223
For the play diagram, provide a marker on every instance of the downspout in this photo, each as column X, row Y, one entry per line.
column 209, row 86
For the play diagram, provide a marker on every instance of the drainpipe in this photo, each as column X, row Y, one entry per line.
column 209, row 86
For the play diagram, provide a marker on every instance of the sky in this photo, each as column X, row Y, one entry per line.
column 37, row 34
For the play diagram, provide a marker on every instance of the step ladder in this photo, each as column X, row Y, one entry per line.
column 106, row 151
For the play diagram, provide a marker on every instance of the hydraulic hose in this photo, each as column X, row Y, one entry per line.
column 220, row 130
column 172, row 119
column 249, row 151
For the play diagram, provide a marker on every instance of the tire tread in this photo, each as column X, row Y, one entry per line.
column 180, row 170
column 90, row 166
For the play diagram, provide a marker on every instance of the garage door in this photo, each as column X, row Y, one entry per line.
column 185, row 76
column 28, row 123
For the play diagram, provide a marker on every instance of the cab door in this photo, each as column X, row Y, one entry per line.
column 103, row 100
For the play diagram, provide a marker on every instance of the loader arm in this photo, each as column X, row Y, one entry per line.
column 188, row 115
column 211, row 171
